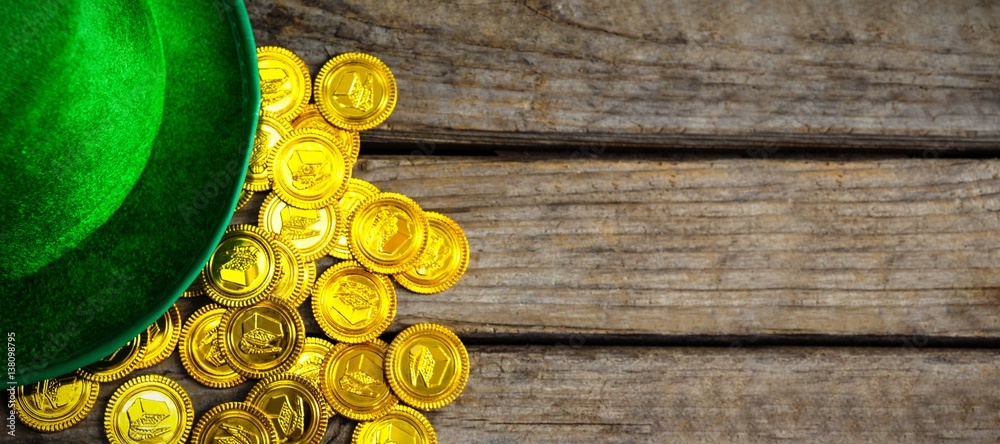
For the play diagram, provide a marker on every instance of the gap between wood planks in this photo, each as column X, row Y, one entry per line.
column 611, row 151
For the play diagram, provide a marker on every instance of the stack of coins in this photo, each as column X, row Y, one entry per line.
column 257, row 277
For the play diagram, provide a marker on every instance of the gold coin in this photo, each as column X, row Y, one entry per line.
column 200, row 352
column 352, row 304
column 307, row 169
column 262, row 339
column 353, row 380
column 270, row 131
column 311, row 360
column 428, row 366
column 150, row 408
column 161, row 338
column 243, row 268
column 444, row 260
column 296, row 274
column 117, row 364
column 55, row 404
column 357, row 191
column 355, row 91
column 310, row 117
column 401, row 425
column 295, row 408
column 245, row 196
column 350, row 140
column 310, row 231
column 235, row 423
column 285, row 86
column 387, row 233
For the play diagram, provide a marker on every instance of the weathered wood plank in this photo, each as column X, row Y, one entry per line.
column 675, row 248
column 907, row 74
column 627, row 395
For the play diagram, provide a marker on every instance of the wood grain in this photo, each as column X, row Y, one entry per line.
column 911, row 74
column 627, row 395
column 700, row 248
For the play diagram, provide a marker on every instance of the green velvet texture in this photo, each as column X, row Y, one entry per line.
column 126, row 126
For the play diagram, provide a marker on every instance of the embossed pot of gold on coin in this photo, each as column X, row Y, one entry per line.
column 263, row 339
column 353, row 380
column 294, row 406
column 150, row 408
column 387, row 233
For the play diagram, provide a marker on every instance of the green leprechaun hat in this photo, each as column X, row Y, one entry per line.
column 125, row 128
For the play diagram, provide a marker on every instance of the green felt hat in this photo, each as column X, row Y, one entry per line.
column 125, row 129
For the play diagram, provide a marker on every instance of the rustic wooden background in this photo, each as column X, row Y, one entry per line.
column 704, row 221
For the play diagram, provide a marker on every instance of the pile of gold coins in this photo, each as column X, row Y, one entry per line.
column 258, row 276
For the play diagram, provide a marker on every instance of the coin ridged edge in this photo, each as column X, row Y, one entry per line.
column 120, row 373
column 304, row 274
column 222, row 299
column 463, row 355
column 328, row 346
column 370, row 264
column 327, row 247
column 301, row 203
column 339, row 407
column 148, row 360
column 431, row 434
column 330, row 331
column 245, row 196
column 195, row 289
column 287, row 363
column 310, row 108
column 234, row 405
column 325, row 410
column 68, row 422
column 287, row 116
column 409, row 284
column 188, row 365
column 344, row 228
column 119, row 392
column 381, row 67
column 283, row 128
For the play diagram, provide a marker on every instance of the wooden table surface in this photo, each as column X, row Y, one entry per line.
column 690, row 221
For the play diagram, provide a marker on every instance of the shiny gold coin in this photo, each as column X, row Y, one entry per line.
column 244, row 267
column 307, row 169
column 353, row 382
column 200, row 352
column 428, row 366
column 262, row 339
column 355, row 91
column 285, row 86
column 444, row 260
column 270, row 131
column 296, row 274
column 357, row 191
column 401, row 425
column 161, row 338
column 387, row 233
column 245, row 196
column 117, row 364
column 294, row 406
column 311, row 360
column 234, row 423
column 352, row 304
column 310, row 231
column 310, row 117
column 148, row 409
column 350, row 140
column 55, row 404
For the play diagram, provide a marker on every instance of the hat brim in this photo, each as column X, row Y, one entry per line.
column 127, row 273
